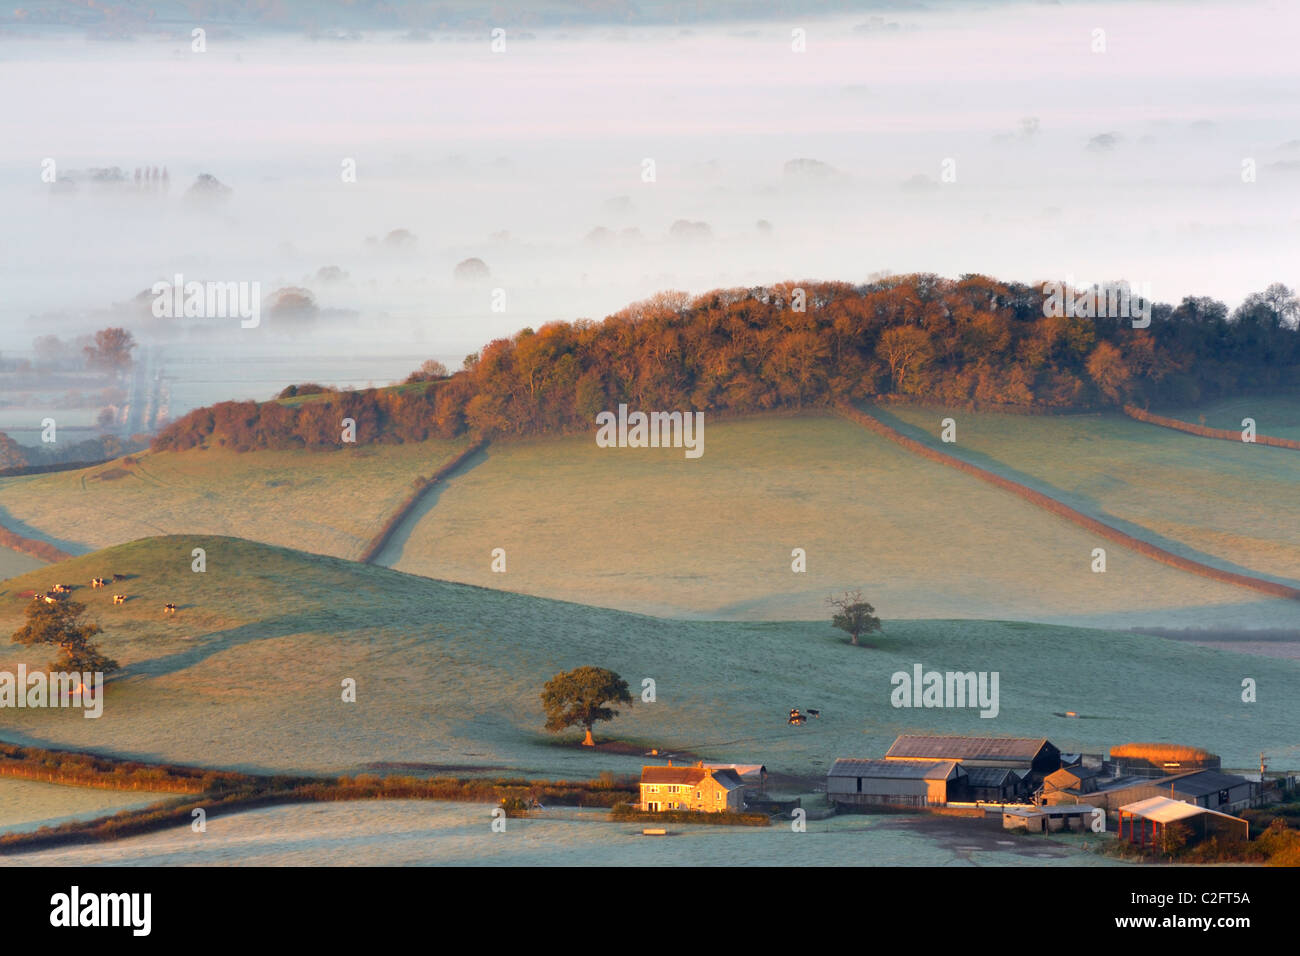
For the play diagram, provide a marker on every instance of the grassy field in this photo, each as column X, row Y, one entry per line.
column 1232, row 505
column 650, row 531
column 14, row 563
column 327, row 502
column 397, row 833
column 27, row 804
column 1274, row 415
column 248, row 675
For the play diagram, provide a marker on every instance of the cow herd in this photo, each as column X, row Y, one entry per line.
column 59, row 591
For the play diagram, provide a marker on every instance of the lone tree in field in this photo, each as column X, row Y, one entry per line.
column 577, row 697
column 61, row 624
column 853, row 615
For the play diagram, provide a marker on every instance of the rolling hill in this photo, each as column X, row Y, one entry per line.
column 248, row 675
column 650, row 531
column 329, row 502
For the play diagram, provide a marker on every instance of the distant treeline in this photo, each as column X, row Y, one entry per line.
column 18, row 459
column 968, row 342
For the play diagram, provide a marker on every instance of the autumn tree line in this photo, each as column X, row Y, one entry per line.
column 969, row 342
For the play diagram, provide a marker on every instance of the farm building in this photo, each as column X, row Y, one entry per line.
column 1158, row 760
column 1147, row 818
column 905, row 783
column 750, row 774
column 1205, row 788
column 993, row 784
column 1075, row 781
column 698, row 788
column 1048, row 819
column 1033, row 754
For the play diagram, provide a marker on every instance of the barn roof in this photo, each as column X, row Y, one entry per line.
column 1164, row 810
column 755, row 770
column 955, row 747
column 893, row 769
column 990, row 776
column 1200, row 782
column 1079, row 773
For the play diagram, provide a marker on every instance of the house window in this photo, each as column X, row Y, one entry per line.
column 653, row 788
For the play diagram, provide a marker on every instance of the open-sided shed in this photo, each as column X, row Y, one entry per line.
column 1148, row 818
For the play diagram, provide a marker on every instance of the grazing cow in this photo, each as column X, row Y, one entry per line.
column 48, row 598
column 119, row 577
column 97, row 582
column 119, row 598
column 169, row 609
column 796, row 718
column 62, row 589
column 813, row 713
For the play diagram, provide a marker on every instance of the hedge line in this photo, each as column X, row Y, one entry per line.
column 1227, row 434
column 380, row 540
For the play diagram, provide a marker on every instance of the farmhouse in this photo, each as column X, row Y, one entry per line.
column 699, row 788
column 905, row 783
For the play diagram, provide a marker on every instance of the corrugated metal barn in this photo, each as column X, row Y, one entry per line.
column 993, row 784
column 904, row 783
column 1203, row 788
column 1024, row 753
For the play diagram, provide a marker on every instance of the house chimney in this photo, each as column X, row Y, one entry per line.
column 699, row 763
column 670, row 761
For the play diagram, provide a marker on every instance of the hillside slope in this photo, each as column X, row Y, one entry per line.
column 248, row 675
column 650, row 531
column 1233, row 505
column 328, row 502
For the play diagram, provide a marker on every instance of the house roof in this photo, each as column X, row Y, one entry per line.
column 954, row 747
column 1164, row 810
column 691, row 776
column 893, row 769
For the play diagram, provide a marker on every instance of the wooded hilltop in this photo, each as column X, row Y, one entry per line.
column 969, row 342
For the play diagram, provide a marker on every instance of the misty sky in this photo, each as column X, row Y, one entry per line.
column 1122, row 164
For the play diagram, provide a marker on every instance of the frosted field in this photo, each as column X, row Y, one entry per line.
column 397, row 833
column 13, row 563
column 248, row 676
column 1233, row 505
column 1277, row 416
column 329, row 502
column 647, row 530
column 28, row 804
